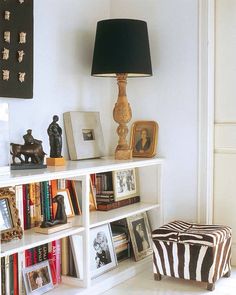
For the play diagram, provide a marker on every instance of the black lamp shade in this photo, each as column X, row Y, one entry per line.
column 121, row 47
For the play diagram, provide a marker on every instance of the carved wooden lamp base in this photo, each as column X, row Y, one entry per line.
column 123, row 154
column 122, row 114
column 56, row 161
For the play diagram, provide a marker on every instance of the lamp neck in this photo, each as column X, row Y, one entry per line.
column 121, row 81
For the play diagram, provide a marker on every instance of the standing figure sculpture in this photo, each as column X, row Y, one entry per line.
column 55, row 138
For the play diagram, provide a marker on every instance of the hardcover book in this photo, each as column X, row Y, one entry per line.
column 118, row 204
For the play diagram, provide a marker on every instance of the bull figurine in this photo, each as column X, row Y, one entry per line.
column 32, row 150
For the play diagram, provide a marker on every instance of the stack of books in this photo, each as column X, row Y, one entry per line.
column 121, row 239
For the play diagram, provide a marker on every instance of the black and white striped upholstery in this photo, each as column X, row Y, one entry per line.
column 192, row 251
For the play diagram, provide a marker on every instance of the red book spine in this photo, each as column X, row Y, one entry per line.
column 28, row 257
column 52, row 261
column 15, row 273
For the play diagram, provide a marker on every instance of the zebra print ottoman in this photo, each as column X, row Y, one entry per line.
column 192, row 251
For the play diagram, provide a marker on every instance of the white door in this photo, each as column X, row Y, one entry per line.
column 225, row 117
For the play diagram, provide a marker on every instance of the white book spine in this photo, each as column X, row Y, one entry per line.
column 19, row 203
column 7, row 274
column 21, row 266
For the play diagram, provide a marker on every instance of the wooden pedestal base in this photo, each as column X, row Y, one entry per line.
column 123, row 154
column 56, row 161
column 54, row 229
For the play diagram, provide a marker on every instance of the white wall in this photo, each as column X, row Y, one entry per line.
column 170, row 96
column 63, row 43
column 64, row 36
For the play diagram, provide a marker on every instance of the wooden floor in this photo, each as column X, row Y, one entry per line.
column 143, row 284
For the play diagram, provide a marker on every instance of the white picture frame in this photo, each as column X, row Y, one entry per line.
column 102, row 253
column 38, row 278
column 67, row 201
column 4, row 139
column 84, row 135
column 124, row 184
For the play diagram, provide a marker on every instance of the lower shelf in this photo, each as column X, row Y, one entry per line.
column 125, row 270
column 32, row 239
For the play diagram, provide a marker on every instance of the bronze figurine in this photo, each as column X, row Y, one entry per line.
column 32, row 150
column 60, row 217
column 55, row 138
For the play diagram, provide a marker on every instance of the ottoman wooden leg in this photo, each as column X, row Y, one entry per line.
column 228, row 274
column 210, row 287
column 157, row 276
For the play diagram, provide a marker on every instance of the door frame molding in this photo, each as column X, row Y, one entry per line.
column 206, row 98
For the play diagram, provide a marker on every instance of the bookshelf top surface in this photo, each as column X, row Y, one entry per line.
column 74, row 169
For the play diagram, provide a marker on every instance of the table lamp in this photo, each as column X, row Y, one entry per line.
column 121, row 50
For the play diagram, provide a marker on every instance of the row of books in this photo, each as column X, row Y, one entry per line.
column 34, row 201
column 12, row 266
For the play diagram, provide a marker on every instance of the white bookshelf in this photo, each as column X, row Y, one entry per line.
column 149, row 174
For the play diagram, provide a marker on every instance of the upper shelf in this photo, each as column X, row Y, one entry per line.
column 73, row 169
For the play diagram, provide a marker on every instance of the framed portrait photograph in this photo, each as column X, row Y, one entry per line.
column 102, row 253
column 67, row 201
column 144, row 138
column 38, row 278
column 140, row 235
column 84, row 135
column 124, row 184
column 10, row 224
column 4, row 139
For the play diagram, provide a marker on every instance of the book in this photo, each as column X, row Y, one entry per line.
column 3, row 274
column 117, row 204
column 38, row 215
column 21, row 266
column 70, row 185
column 58, row 260
column 54, row 189
column 19, row 203
column 76, row 242
column 11, row 275
column 52, row 260
column 15, row 274
column 32, row 204
column 7, row 275
column 65, row 256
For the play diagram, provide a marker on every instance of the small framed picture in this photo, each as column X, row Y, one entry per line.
column 144, row 138
column 10, row 224
column 124, row 184
column 38, row 278
column 102, row 254
column 67, row 201
column 84, row 135
column 140, row 235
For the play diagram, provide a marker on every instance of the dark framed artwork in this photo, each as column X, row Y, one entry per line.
column 10, row 224
column 16, row 44
column 140, row 234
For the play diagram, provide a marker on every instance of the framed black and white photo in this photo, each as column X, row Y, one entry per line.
column 38, row 278
column 140, row 235
column 84, row 135
column 4, row 139
column 102, row 254
column 124, row 184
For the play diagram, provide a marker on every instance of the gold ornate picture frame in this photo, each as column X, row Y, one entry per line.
column 144, row 136
column 10, row 224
